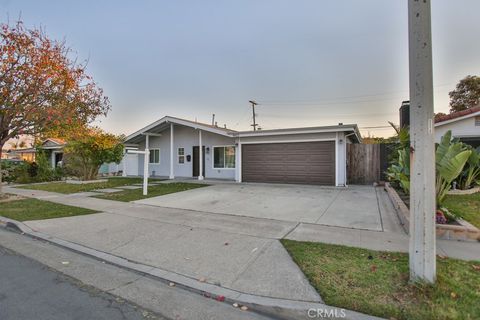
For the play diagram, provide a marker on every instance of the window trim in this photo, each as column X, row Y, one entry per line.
column 213, row 157
column 178, row 156
column 157, row 163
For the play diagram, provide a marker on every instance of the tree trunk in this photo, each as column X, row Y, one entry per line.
column 1, row 186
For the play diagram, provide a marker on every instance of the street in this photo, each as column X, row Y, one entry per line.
column 30, row 290
column 39, row 280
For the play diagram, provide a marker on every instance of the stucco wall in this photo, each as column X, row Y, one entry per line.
column 465, row 127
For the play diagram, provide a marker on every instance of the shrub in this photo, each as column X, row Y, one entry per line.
column 8, row 170
column 471, row 172
column 450, row 159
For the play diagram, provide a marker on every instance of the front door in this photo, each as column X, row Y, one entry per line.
column 196, row 161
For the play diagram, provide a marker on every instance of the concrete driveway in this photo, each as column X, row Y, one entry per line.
column 352, row 207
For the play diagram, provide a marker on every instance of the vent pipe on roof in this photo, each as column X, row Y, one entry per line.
column 216, row 124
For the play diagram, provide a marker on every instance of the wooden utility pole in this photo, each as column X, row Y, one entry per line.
column 422, row 171
column 254, row 125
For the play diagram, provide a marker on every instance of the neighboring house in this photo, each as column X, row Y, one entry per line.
column 5, row 154
column 25, row 154
column 465, row 125
column 54, row 149
column 311, row 155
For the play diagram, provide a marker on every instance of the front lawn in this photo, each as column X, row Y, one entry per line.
column 63, row 187
column 34, row 209
column 466, row 207
column 377, row 283
column 153, row 191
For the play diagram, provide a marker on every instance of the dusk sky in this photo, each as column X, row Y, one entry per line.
column 307, row 63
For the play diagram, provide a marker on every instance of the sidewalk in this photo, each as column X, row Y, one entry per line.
column 393, row 239
column 241, row 254
column 238, row 257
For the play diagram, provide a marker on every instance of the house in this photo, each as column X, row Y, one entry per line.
column 54, row 149
column 465, row 125
column 183, row 148
column 24, row 154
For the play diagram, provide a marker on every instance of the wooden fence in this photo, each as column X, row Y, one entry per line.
column 367, row 163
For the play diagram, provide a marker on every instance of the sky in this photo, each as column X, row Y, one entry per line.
column 306, row 62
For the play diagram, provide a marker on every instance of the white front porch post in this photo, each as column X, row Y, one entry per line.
column 200, row 155
column 146, row 160
column 422, row 171
column 172, row 175
column 124, row 172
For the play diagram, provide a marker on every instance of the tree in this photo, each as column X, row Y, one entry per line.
column 466, row 94
column 88, row 149
column 41, row 86
column 439, row 115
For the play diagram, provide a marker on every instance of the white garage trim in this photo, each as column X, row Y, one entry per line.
column 287, row 141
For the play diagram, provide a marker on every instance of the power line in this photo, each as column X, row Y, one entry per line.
column 341, row 100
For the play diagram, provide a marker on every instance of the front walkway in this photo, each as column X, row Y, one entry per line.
column 240, row 253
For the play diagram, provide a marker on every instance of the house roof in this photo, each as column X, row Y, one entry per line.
column 56, row 141
column 456, row 116
column 348, row 128
column 163, row 124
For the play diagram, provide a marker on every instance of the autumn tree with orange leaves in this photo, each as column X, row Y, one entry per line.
column 42, row 88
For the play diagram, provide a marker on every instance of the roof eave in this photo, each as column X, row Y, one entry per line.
column 168, row 119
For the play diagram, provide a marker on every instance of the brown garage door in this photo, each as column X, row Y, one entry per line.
column 303, row 162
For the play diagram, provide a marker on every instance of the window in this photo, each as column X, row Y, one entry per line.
column 181, row 155
column 224, row 157
column 154, row 156
column 477, row 121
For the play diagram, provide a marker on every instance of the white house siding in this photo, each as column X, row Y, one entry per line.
column 460, row 128
column 340, row 148
column 187, row 138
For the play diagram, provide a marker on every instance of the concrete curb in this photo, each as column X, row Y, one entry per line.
column 274, row 307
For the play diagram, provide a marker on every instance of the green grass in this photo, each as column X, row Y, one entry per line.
column 466, row 207
column 63, row 187
column 347, row 278
column 34, row 209
column 153, row 191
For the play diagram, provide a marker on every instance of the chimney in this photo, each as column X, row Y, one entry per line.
column 405, row 114
column 213, row 119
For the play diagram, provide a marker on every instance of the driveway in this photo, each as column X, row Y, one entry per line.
column 352, row 207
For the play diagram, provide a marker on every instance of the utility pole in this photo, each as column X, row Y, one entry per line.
column 422, row 172
column 254, row 125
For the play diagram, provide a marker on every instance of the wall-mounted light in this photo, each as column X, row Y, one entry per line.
column 208, row 150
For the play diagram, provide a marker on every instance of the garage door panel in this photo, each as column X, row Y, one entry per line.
column 305, row 162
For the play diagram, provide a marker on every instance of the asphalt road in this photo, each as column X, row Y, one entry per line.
column 30, row 290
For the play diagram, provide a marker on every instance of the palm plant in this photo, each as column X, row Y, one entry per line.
column 450, row 158
column 471, row 172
